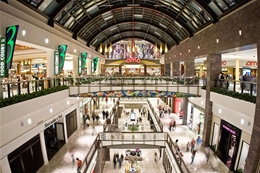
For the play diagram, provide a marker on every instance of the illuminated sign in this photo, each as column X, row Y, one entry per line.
column 62, row 54
column 251, row 63
column 228, row 129
column 83, row 59
column 11, row 34
column 224, row 62
column 52, row 121
column 56, row 63
column 3, row 70
column 95, row 63
column 136, row 60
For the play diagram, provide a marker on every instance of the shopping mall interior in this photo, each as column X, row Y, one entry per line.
column 143, row 62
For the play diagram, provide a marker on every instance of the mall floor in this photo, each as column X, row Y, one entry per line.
column 81, row 140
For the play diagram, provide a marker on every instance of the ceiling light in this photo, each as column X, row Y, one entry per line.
column 240, row 32
column 29, row 121
column 242, row 121
column 46, row 40
column 78, row 97
column 23, row 32
column 198, row 46
column 189, row 50
column 202, row 102
column 68, row 102
column 180, row 53
column 51, row 110
column 217, row 40
column 219, row 111
column 75, row 50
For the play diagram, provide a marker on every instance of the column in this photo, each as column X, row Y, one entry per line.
column 5, row 166
column 50, row 63
column 65, row 129
column 75, row 66
column 43, row 146
column 253, row 157
column 189, row 67
column 19, row 69
column 145, row 69
column 237, row 69
column 120, row 69
column 88, row 66
column 173, row 104
column 185, row 110
column 176, row 69
column 201, row 70
column 213, row 69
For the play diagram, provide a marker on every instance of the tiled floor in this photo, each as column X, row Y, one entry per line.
column 80, row 142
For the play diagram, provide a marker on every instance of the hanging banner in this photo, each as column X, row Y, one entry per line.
column 83, row 59
column 56, row 63
column 10, row 35
column 3, row 69
column 79, row 66
column 62, row 55
column 95, row 63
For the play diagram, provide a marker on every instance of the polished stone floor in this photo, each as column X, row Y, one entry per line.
column 81, row 140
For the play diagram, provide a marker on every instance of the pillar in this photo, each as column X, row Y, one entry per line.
column 75, row 66
column 253, row 157
column 201, row 71
column 65, row 129
column 19, row 69
column 213, row 69
column 173, row 104
column 145, row 69
column 237, row 69
column 43, row 147
column 88, row 66
column 176, row 69
column 185, row 110
column 120, row 69
column 189, row 67
column 50, row 63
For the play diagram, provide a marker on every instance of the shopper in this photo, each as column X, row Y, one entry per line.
column 193, row 142
column 155, row 157
column 207, row 153
column 198, row 142
column 114, row 161
column 193, row 153
column 79, row 164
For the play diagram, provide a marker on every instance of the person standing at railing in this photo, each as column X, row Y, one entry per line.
column 221, row 78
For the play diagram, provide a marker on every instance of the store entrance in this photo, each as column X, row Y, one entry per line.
column 54, row 139
column 228, row 145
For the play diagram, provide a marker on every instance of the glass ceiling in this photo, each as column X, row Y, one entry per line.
column 156, row 21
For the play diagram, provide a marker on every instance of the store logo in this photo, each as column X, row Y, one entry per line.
column 53, row 120
column 136, row 60
column 224, row 62
column 251, row 63
column 62, row 54
column 83, row 59
column 2, row 58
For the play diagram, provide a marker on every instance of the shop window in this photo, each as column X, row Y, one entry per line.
column 243, row 156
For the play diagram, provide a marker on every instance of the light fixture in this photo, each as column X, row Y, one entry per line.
column 189, row 50
column 51, row 110
column 217, row 40
column 242, row 121
column 219, row 111
column 29, row 121
column 106, row 47
column 198, row 46
column 23, row 32
column 155, row 49
column 100, row 48
column 46, row 40
column 180, row 53
column 202, row 102
column 75, row 50
column 68, row 102
column 78, row 97
column 240, row 32
column 165, row 48
column 110, row 48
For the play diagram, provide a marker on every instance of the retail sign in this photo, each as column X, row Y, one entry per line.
column 10, row 35
column 251, row 63
column 133, row 59
column 53, row 120
column 224, row 62
column 95, row 63
column 3, row 69
column 62, row 55
column 228, row 129
column 56, row 63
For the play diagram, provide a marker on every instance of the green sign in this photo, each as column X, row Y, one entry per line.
column 11, row 34
column 62, row 55
column 83, row 59
column 95, row 63
column 3, row 70
column 56, row 63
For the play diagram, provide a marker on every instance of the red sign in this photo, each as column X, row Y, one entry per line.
column 224, row 63
column 137, row 60
column 251, row 63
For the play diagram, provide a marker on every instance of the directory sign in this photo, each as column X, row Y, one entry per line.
column 3, row 70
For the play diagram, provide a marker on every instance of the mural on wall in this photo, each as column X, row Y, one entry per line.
column 135, row 93
column 141, row 51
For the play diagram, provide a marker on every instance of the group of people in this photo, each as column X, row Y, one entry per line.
column 117, row 159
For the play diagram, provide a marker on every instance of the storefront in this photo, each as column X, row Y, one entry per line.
column 228, row 144
column 195, row 118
